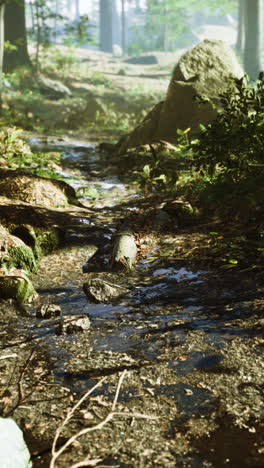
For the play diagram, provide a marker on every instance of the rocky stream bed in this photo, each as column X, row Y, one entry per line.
column 174, row 366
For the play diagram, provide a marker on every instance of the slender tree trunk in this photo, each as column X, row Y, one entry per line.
column 240, row 44
column 77, row 10
column 38, row 31
column 106, row 34
column 69, row 9
column 15, row 33
column 252, row 38
column 2, row 41
column 116, row 24
column 165, row 27
column 261, row 35
column 123, row 22
column 56, row 21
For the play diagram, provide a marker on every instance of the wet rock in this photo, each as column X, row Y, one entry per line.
column 17, row 287
column 52, row 89
column 206, row 71
column 98, row 290
column 73, row 324
column 13, row 450
column 46, row 311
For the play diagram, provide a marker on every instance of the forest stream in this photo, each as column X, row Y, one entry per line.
column 179, row 354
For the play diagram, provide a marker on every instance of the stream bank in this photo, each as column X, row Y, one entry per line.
column 188, row 335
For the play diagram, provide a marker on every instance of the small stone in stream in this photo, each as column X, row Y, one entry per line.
column 46, row 311
column 73, row 324
column 98, row 290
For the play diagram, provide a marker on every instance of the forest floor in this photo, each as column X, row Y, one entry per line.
column 173, row 371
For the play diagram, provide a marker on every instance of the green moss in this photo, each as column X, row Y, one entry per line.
column 21, row 257
column 15, row 287
column 46, row 242
column 40, row 241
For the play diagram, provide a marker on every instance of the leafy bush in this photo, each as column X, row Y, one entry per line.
column 164, row 164
column 233, row 144
column 16, row 153
column 230, row 151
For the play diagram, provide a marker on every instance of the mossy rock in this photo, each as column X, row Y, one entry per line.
column 47, row 241
column 16, row 287
column 183, row 211
column 41, row 241
column 21, row 185
column 20, row 257
column 14, row 253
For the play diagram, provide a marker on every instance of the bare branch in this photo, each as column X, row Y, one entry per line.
column 100, row 425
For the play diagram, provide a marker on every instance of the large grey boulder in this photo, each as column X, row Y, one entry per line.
column 206, row 71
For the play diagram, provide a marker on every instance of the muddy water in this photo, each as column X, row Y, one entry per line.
column 192, row 324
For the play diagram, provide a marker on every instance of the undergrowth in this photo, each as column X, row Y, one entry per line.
column 15, row 153
column 223, row 168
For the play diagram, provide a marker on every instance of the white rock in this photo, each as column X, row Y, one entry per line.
column 13, row 450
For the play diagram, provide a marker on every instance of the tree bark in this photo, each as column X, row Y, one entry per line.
column 252, row 59
column 240, row 44
column 2, row 41
column 123, row 22
column 106, row 34
column 15, row 33
column 77, row 10
column 116, row 24
column 124, row 250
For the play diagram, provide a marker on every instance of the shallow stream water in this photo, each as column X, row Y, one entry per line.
column 176, row 312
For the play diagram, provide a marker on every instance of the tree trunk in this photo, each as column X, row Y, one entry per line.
column 106, row 34
column 252, row 60
column 261, row 35
column 32, row 17
column 2, row 41
column 38, row 31
column 69, row 9
column 123, row 22
column 165, row 27
column 57, row 8
column 15, row 33
column 77, row 10
column 240, row 44
column 116, row 24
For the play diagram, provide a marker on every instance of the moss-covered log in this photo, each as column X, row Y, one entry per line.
column 124, row 250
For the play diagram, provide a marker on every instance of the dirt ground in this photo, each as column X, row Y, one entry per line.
column 171, row 375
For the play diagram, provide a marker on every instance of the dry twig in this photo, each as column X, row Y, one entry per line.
column 92, row 462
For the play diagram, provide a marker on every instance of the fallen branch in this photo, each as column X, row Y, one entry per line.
column 90, row 462
column 7, row 356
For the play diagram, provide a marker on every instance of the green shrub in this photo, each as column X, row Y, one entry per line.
column 17, row 154
column 232, row 146
column 230, row 151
